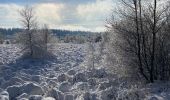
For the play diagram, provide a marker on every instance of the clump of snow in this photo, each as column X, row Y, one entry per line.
column 58, row 95
column 32, row 89
column 48, row 98
column 81, row 86
column 79, row 77
column 62, row 78
column 36, row 78
column 104, row 85
column 69, row 97
column 4, row 95
column 108, row 94
column 22, row 96
column 65, row 87
column 35, row 97
column 29, row 88
column 12, row 81
column 71, row 72
column 88, row 96
column 92, row 81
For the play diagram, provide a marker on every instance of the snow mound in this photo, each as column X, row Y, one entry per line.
column 12, row 81
column 48, row 98
column 62, row 78
column 58, row 95
column 108, row 94
column 79, row 77
column 69, row 97
column 71, row 72
column 29, row 88
column 32, row 89
column 81, row 86
column 35, row 97
column 14, row 91
column 65, row 87
column 4, row 95
column 88, row 96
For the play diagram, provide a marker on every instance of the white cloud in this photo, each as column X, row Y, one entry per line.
column 49, row 13
column 95, row 11
column 87, row 17
column 9, row 15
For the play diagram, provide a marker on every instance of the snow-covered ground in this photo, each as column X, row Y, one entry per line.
column 65, row 77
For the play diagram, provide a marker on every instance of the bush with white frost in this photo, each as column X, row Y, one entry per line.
column 33, row 39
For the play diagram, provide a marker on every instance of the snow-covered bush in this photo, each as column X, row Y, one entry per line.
column 33, row 39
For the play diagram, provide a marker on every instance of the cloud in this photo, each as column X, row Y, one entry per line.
column 49, row 13
column 9, row 14
column 89, row 15
column 95, row 11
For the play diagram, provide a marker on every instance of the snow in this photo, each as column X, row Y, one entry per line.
column 66, row 77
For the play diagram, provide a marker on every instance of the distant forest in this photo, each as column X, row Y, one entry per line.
column 57, row 32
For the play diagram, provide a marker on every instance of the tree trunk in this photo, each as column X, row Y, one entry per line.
column 153, row 44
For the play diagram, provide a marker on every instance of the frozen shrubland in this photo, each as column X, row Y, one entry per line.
column 67, row 78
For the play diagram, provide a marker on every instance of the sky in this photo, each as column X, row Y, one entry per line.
column 85, row 15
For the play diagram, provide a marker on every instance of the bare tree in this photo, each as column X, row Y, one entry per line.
column 28, row 21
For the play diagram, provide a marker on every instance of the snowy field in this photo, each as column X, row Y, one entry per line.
column 65, row 77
